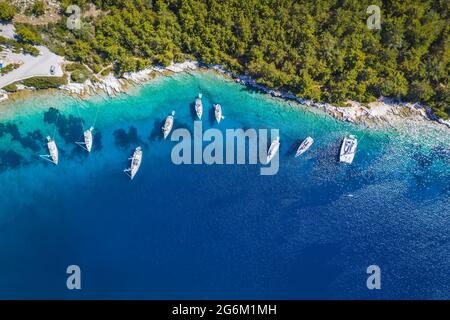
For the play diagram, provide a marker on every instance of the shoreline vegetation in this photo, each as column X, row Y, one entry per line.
column 383, row 112
column 308, row 52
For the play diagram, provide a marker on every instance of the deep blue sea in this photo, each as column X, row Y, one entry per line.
column 217, row 231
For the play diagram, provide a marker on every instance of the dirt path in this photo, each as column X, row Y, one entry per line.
column 51, row 14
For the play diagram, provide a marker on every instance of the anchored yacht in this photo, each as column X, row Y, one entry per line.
column 53, row 150
column 218, row 112
column 274, row 146
column 304, row 146
column 88, row 140
column 199, row 106
column 348, row 149
column 136, row 160
column 168, row 124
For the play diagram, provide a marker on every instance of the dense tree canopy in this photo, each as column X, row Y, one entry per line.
column 320, row 49
column 27, row 35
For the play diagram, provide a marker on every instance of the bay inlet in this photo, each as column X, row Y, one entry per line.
column 309, row 231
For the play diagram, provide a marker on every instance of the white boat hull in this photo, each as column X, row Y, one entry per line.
column 304, row 146
column 136, row 161
column 199, row 108
column 88, row 139
column 53, row 150
column 348, row 149
column 273, row 149
column 218, row 113
column 168, row 125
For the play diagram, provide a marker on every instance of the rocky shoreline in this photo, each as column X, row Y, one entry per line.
column 383, row 112
column 113, row 86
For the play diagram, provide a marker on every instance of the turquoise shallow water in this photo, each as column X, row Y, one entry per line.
column 220, row 231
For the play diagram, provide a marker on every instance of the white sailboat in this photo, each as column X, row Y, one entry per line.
column 53, row 151
column 199, row 106
column 88, row 140
column 168, row 125
column 348, row 149
column 273, row 149
column 218, row 112
column 136, row 160
column 304, row 146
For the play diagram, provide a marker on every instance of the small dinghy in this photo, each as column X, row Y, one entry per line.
column 199, row 106
column 168, row 125
column 348, row 149
column 304, row 146
column 274, row 146
column 136, row 160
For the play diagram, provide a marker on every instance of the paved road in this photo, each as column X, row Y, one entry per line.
column 32, row 66
column 7, row 30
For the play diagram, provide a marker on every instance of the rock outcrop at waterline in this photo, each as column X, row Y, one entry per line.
column 113, row 86
column 384, row 111
column 381, row 112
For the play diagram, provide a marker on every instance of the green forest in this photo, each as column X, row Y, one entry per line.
column 318, row 49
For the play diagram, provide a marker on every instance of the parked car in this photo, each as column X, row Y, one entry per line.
column 52, row 70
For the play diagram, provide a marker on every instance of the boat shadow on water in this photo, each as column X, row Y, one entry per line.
column 97, row 145
column 34, row 141
column 292, row 149
column 156, row 133
column 192, row 111
column 10, row 159
column 78, row 152
column 125, row 140
column 69, row 127
column 30, row 140
column 212, row 116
